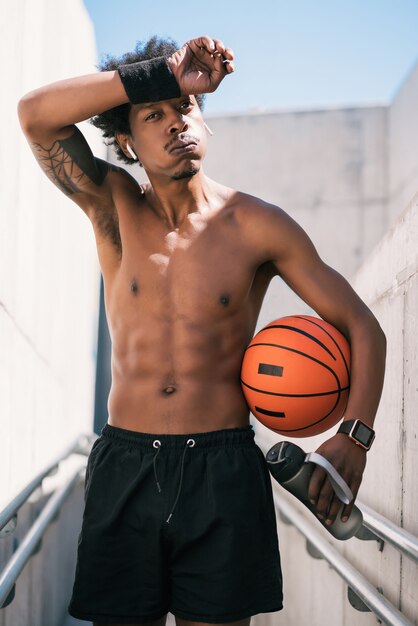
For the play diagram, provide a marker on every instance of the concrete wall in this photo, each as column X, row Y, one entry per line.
column 402, row 152
column 384, row 274
column 325, row 167
column 49, row 284
column 388, row 283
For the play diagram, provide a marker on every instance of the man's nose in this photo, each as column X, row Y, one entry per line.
column 178, row 125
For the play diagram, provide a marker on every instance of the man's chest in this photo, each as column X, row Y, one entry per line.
column 206, row 271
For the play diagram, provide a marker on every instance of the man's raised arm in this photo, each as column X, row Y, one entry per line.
column 48, row 115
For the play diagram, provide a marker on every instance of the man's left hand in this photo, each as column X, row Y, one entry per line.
column 349, row 459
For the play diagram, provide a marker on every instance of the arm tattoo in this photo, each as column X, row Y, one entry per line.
column 70, row 164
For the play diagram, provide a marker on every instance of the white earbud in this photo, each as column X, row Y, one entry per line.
column 131, row 152
column 207, row 128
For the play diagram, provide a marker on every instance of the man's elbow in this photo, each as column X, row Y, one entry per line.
column 26, row 111
column 371, row 325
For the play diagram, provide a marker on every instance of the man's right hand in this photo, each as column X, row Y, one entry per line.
column 199, row 65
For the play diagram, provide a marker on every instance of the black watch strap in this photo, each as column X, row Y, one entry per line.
column 357, row 430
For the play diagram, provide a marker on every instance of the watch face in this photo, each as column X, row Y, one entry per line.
column 363, row 434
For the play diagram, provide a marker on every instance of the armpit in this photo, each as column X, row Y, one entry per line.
column 106, row 227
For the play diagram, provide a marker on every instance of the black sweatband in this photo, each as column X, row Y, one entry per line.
column 149, row 81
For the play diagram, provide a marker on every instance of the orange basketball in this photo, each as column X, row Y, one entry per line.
column 295, row 375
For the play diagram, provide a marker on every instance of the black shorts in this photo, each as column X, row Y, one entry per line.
column 177, row 523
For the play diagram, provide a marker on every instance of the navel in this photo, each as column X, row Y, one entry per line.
column 224, row 299
column 169, row 389
column 134, row 287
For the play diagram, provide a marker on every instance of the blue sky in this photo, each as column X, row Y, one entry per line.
column 289, row 54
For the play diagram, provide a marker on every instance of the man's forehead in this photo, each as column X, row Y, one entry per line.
column 153, row 105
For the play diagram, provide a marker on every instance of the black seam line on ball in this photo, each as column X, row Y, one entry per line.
column 295, row 430
column 277, row 345
column 302, row 332
column 271, row 413
column 332, row 338
column 294, row 395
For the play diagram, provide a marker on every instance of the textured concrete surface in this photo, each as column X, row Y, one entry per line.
column 49, row 290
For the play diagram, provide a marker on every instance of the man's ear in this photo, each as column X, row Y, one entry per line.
column 125, row 146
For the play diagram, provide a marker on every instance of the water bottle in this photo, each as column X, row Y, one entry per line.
column 292, row 468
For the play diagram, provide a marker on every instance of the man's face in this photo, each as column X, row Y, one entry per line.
column 169, row 136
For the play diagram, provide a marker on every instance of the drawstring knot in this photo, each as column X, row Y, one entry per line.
column 157, row 444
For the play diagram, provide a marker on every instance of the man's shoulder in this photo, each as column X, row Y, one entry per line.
column 120, row 175
column 245, row 205
column 253, row 209
column 267, row 227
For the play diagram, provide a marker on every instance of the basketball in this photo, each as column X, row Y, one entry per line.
column 295, row 375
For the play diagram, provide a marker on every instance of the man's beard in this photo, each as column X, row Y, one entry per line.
column 187, row 173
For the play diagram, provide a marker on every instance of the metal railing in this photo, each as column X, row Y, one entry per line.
column 31, row 541
column 362, row 594
column 385, row 530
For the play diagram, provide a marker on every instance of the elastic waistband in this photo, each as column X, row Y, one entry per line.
column 217, row 438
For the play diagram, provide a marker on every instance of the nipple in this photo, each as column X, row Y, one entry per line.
column 134, row 287
column 224, row 300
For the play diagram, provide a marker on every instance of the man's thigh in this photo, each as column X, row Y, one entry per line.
column 224, row 549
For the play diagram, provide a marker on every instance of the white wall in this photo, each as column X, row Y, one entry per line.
column 50, row 275
column 325, row 167
column 49, row 291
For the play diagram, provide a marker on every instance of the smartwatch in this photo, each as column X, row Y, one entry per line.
column 357, row 430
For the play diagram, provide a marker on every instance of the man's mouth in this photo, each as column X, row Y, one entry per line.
column 187, row 144
column 186, row 147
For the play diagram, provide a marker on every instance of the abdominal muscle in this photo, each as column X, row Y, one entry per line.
column 179, row 377
column 194, row 407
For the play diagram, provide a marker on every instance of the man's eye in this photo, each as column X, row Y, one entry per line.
column 150, row 116
column 187, row 103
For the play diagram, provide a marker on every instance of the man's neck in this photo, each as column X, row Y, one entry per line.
column 173, row 200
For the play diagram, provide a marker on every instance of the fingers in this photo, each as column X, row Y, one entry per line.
column 229, row 66
column 322, row 496
column 225, row 54
column 327, row 504
column 333, row 509
column 201, row 46
column 320, row 492
column 315, row 484
column 355, row 485
column 220, row 49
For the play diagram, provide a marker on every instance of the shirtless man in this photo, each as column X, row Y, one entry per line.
column 186, row 263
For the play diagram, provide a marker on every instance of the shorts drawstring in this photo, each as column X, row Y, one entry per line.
column 157, row 444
